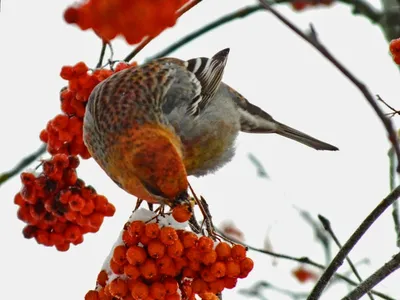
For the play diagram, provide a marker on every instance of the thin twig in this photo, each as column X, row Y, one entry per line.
column 256, row 291
column 395, row 206
column 327, row 225
column 363, row 261
column 148, row 39
column 348, row 246
column 313, row 40
column 374, row 279
column 22, row 164
column 304, row 260
column 394, row 111
column 241, row 13
column 319, row 232
column 102, row 52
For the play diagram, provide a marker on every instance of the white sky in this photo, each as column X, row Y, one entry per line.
column 275, row 70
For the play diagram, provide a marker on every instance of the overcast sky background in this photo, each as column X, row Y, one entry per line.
column 275, row 70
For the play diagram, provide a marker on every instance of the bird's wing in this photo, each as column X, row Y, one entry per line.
column 208, row 73
column 197, row 81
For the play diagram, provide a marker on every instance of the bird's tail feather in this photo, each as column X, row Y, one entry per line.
column 303, row 138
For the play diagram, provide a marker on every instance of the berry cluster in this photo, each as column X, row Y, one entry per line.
column 302, row 4
column 63, row 134
column 153, row 261
column 57, row 206
column 132, row 19
column 394, row 48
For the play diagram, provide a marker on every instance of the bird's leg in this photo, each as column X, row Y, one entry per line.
column 160, row 211
column 138, row 203
column 206, row 215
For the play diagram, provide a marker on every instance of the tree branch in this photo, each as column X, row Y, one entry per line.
column 327, row 225
column 313, row 41
column 241, row 13
column 102, row 52
column 395, row 206
column 374, row 279
column 348, row 246
column 22, row 164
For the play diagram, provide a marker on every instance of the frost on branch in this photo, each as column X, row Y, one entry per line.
column 162, row 259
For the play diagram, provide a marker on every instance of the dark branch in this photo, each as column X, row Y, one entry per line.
column 319, row 232
column 313, row 40
column 348, row 246
column 102, row 52
column 22, row 164
column 374, row 279
column 395, row 206
column 394, row 111
column 327, row 225
column 241, row 13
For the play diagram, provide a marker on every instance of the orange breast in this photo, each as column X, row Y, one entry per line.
column 148, row 157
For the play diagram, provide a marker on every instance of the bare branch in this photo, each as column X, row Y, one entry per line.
column 327, row 225
column 374, row 279
column 395, row 206
column 22, row 164
column 348, row 246
column 102, row 52
column 241, row 13
column 394, row 111
column 319, row 232
column 363, row 89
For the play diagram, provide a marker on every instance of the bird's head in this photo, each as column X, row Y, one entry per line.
column 146, row 161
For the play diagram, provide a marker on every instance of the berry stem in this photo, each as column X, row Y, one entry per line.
column 102, row 52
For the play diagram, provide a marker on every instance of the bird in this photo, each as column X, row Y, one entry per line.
column 149, row 127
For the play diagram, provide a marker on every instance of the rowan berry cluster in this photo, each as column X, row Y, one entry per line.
column 64, row 134
column 57, row 206
column 394, row 48
column 134, row 20
column 156, row 261
column 302, row 4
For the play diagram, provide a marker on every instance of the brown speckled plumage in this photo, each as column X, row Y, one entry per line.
column 149, row 127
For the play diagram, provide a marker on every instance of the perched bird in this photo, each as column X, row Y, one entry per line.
column 149, row 127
